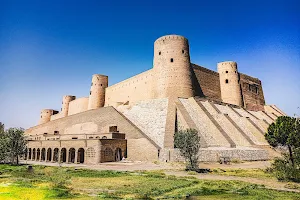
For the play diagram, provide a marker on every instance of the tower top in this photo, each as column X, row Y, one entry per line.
column 170, row 37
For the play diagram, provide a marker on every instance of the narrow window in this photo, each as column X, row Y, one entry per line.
column 90, row 92
column 226, row 72
column 249, row 87
column 182, row 51
column 159, row 53
column 172, row 60
column 226, row 81
column 74, row 138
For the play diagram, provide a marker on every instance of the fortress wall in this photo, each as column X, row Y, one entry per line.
column 56, row 116
column 138, row 146
column 79, row 105
column 134, row 89
column 252, row 93
column 207, row 82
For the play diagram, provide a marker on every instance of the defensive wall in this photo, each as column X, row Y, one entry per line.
column 172, row 75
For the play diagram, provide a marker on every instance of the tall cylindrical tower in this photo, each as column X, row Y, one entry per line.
column 97, row 92
column 65, row 104
column 46, row 115
column 229, row 83
column 172, row 68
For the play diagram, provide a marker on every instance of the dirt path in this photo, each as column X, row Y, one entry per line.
column 268, row 183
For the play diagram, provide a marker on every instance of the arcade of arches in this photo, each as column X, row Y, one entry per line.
column 72, row 155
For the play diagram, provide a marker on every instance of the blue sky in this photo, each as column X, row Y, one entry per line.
column 49, row 49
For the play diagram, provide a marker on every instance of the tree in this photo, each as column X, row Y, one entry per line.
column 285, row 131
column 3, row 143
column 188, row 142
column 15, row 144
column 1, row 128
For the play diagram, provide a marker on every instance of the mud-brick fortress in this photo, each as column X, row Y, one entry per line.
column 136, row 118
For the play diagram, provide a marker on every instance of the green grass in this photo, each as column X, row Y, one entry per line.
column 82, row 184
column 253, row 173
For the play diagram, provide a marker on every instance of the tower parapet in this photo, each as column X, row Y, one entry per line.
column 229, row 83
column 46, row 115
column 172, row 68
column 65, row 104
column 97, row 92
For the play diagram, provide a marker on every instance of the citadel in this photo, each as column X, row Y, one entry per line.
column 137, row 118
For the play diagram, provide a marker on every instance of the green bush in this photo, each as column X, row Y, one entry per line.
column 284, row 170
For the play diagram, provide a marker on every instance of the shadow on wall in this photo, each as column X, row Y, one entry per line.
column 197, row 88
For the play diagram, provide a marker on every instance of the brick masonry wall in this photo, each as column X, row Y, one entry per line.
column 131, row 90
column 206, row 83
column 79, row 105
column 252, row 100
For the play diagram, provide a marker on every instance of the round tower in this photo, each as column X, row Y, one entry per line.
column 97, row 92
column 172, row 67
column 229, row 83
column 45, row 115
column 65, row 104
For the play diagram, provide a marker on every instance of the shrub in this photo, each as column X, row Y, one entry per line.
column 188, row 142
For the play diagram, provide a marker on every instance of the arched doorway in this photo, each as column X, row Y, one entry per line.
column 80, row 156
column 118, row 155
column 38, row 153
column 49, row 154
column 55, row 155
column 33, row 154
column 29, row 154
column 71, row 155
column 63, row 155
column 43, row 156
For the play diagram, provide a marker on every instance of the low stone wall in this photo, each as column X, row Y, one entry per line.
column 214, row 154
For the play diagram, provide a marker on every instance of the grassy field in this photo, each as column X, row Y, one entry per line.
column 68, row 183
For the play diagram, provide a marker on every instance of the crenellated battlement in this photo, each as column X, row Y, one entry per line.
column 170, row 37
column 227, row 63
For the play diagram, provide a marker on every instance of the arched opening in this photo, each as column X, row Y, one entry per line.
column 29, row 154
column 49, row 154
column 63, row 155
column 43, row 156
column 80, row 156
column 55, row 155
column 33, row 154
column 38, row 154
column 71, row 155
column 118, row 155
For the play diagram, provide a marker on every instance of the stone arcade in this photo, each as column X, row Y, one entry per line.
column 137, row 118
